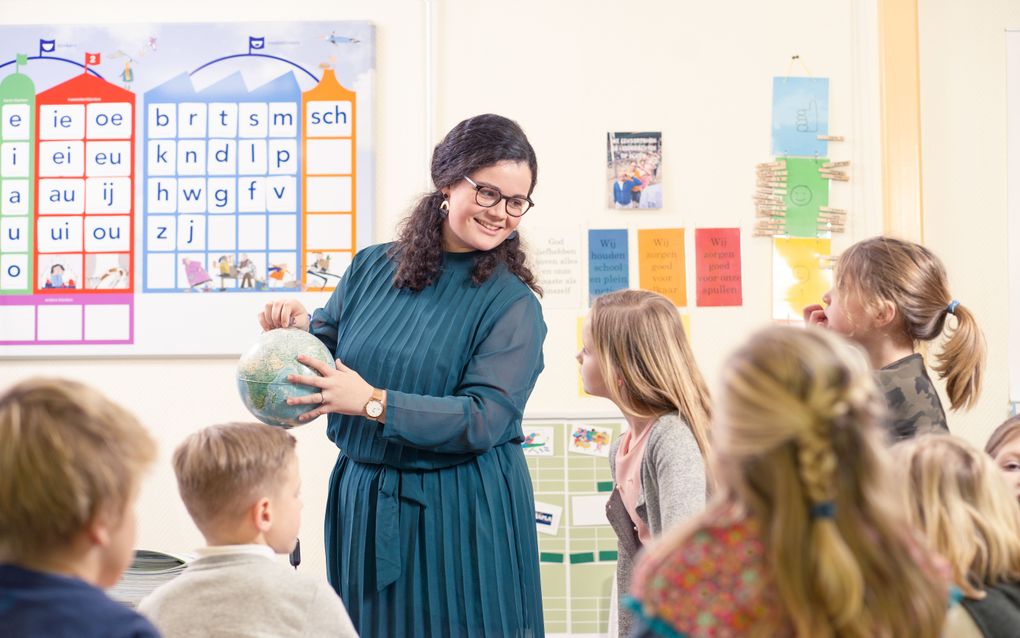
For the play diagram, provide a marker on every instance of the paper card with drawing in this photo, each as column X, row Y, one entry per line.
column 547, row 518
column 800, row 113
column 538, row 441
column 591, row 440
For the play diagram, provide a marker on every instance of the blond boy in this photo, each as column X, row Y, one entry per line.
column 241, row 485
column 70, row 465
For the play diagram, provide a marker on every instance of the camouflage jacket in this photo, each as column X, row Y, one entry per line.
column 914, row 405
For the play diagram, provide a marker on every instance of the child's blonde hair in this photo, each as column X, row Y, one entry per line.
column 67, row 453
column 955, row 495
column 914, row 280
column 223, row 469
column 800, row 451
column 1002, row 435
column 643, row 354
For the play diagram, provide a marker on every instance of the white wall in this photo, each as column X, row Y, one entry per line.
column 963, row 138
column 568, row 71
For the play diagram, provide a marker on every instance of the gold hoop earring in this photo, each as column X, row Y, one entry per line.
column 444, row 208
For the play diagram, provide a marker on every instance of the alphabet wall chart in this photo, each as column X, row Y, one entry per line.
column 160, row 183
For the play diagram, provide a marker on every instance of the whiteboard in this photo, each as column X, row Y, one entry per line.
column 162, row 182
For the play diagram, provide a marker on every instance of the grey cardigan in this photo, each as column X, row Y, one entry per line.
column 673, row 488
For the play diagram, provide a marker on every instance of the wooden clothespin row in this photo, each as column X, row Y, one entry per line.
column 835, row 175
column 766, row 165
column 840, row 164
column 832, row 221
column 830, row 138
column 835, row 211
column 827, row 261
column 763, row 229
column 824, row 214
column 764, row 213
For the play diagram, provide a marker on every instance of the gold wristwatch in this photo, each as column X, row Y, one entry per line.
column 374, row 408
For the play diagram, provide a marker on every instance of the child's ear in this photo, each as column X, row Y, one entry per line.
column 262, row 513
column 885, row 314
column 98, row 529
column 98, row 532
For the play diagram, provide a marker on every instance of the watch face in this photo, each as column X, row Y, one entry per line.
column 373, row 408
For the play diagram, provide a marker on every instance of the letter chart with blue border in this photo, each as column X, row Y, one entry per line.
column 154, row 177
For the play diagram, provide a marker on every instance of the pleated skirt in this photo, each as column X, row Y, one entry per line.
column 443, row 552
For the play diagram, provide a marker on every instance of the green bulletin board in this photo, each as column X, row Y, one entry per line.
column 570, row 472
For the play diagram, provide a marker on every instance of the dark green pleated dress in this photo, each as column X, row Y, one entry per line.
column 430, row 523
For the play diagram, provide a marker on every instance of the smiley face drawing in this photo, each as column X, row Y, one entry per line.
column 801, row 195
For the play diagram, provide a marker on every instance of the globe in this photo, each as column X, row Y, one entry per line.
column 262, row 375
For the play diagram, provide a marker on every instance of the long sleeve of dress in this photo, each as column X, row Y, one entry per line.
column 325, row 322
column 486, row 408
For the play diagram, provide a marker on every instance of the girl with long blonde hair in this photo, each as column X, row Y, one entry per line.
column 635, row 354
column 955, row 495
column 804, row 537
column 890, row 295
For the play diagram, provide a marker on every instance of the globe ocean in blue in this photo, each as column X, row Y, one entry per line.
column 262, row 375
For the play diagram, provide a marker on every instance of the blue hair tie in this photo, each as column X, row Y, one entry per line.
column 951, row 308
column 825, row 509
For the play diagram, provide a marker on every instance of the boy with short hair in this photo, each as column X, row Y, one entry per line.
column 70, row 467
column 241, row 485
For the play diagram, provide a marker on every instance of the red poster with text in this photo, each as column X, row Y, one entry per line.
column 717, row 257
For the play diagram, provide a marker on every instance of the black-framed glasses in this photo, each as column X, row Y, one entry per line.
column 489, row 196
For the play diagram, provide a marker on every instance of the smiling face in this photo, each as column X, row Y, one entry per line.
column 469, row 226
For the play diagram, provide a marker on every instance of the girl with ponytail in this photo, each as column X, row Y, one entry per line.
column 805, row 536
column 889, row 295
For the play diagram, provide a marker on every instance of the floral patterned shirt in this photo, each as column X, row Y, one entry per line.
column 713, row 586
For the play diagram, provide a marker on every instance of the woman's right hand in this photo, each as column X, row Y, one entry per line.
column 284, row 313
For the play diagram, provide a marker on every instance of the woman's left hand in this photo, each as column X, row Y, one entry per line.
column 341, row 390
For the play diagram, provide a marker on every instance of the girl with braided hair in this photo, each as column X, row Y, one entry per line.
column 889, row 295
column 804, row 536
column 960, row 501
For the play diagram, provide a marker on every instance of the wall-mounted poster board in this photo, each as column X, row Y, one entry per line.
column 159, row 183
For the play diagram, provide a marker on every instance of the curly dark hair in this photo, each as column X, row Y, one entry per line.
column 475, row 143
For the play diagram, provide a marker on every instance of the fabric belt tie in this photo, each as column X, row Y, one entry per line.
column 393, row 486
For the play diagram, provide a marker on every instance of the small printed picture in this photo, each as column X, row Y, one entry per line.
column 591, row 440
column 108, row 271
column 538, row 442
column 547, row 518
column 634, row 169
column 60, row 271
column 325, row 269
